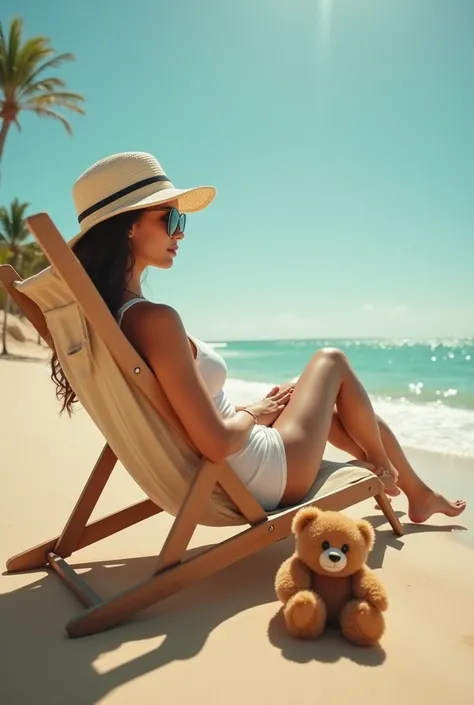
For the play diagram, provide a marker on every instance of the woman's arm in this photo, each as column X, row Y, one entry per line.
column 157, row 333
column 269, row 419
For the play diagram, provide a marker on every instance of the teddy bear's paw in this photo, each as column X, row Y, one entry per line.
column 361, row 623
column 305, row 615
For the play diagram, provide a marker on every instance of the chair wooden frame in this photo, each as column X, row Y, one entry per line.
column 173, row 571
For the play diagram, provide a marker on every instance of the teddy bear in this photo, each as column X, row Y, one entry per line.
column 326, row 580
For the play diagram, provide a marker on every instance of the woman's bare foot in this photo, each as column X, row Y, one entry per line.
column 420, row 509
column 391, row 488
column 391, row 474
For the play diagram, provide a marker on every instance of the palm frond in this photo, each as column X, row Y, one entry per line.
column 54, row 62
column 2, row 40
column 5, row 226
column 42, row 85
column 5, row 253
column 47, row 112
column 33, row 52
column 2, row 56
column 64, row 100
column 13, row 228
column 33, row 260
column 14, row 42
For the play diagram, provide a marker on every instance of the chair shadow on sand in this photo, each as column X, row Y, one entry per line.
column 13, row 357
column 33, row 619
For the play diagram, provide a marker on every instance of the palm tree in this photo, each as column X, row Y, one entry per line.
column 13, row 241
column 34, row 260
column 22, row 85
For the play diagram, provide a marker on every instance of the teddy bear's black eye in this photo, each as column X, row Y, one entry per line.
column 325, row 545
column 344, row 548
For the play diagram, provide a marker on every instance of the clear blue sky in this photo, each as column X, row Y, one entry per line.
column 339, row 134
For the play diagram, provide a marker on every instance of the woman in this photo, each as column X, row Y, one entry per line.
column 131, row 218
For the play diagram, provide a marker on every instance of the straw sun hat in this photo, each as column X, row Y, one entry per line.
column 129, row 181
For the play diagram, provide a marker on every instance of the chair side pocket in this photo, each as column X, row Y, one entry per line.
column 69, row 330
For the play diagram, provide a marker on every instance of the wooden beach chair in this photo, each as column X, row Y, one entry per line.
column 124, row 399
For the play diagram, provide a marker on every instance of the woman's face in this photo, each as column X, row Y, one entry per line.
column 152, row 246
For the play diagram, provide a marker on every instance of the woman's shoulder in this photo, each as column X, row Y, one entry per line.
column 152, row 324
column 149, row 309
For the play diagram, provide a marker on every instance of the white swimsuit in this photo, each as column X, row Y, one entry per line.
column 261, row 463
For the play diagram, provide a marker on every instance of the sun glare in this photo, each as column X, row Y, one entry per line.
column 325, row 8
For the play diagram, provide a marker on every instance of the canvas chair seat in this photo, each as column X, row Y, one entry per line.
column 150, row 449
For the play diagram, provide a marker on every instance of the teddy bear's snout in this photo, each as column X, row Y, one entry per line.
column 332, row 560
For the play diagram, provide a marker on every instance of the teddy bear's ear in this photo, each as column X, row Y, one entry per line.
column 303, row 517
column 367, row 532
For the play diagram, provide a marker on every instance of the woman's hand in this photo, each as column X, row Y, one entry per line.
column 270, row 408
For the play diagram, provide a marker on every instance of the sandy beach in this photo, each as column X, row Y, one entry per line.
column 222, row 641
column 252, row 198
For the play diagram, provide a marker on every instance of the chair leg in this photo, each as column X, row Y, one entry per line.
column 390, row 515
column 86, row 595
column 188, row 517
column 85, row 505
column 37, row 557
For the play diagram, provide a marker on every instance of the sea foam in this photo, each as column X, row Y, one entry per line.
column 432, row 426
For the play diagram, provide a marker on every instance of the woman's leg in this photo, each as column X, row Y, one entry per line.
column 423, row 501
column 305, row 423
column 339, row 438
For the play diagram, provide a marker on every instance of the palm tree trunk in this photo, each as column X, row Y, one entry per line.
column 3, row 134
column 6, row 308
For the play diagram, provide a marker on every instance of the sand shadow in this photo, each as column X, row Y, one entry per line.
column 33, row 619
column 33, row 622
column 11, row 357
column 386, row 539
column 329, row 648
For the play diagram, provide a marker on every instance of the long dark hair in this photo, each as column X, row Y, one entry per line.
column 106, row 254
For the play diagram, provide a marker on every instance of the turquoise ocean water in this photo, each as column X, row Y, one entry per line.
column 425, row 390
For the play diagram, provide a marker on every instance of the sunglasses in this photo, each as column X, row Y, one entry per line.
column 176, row 222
